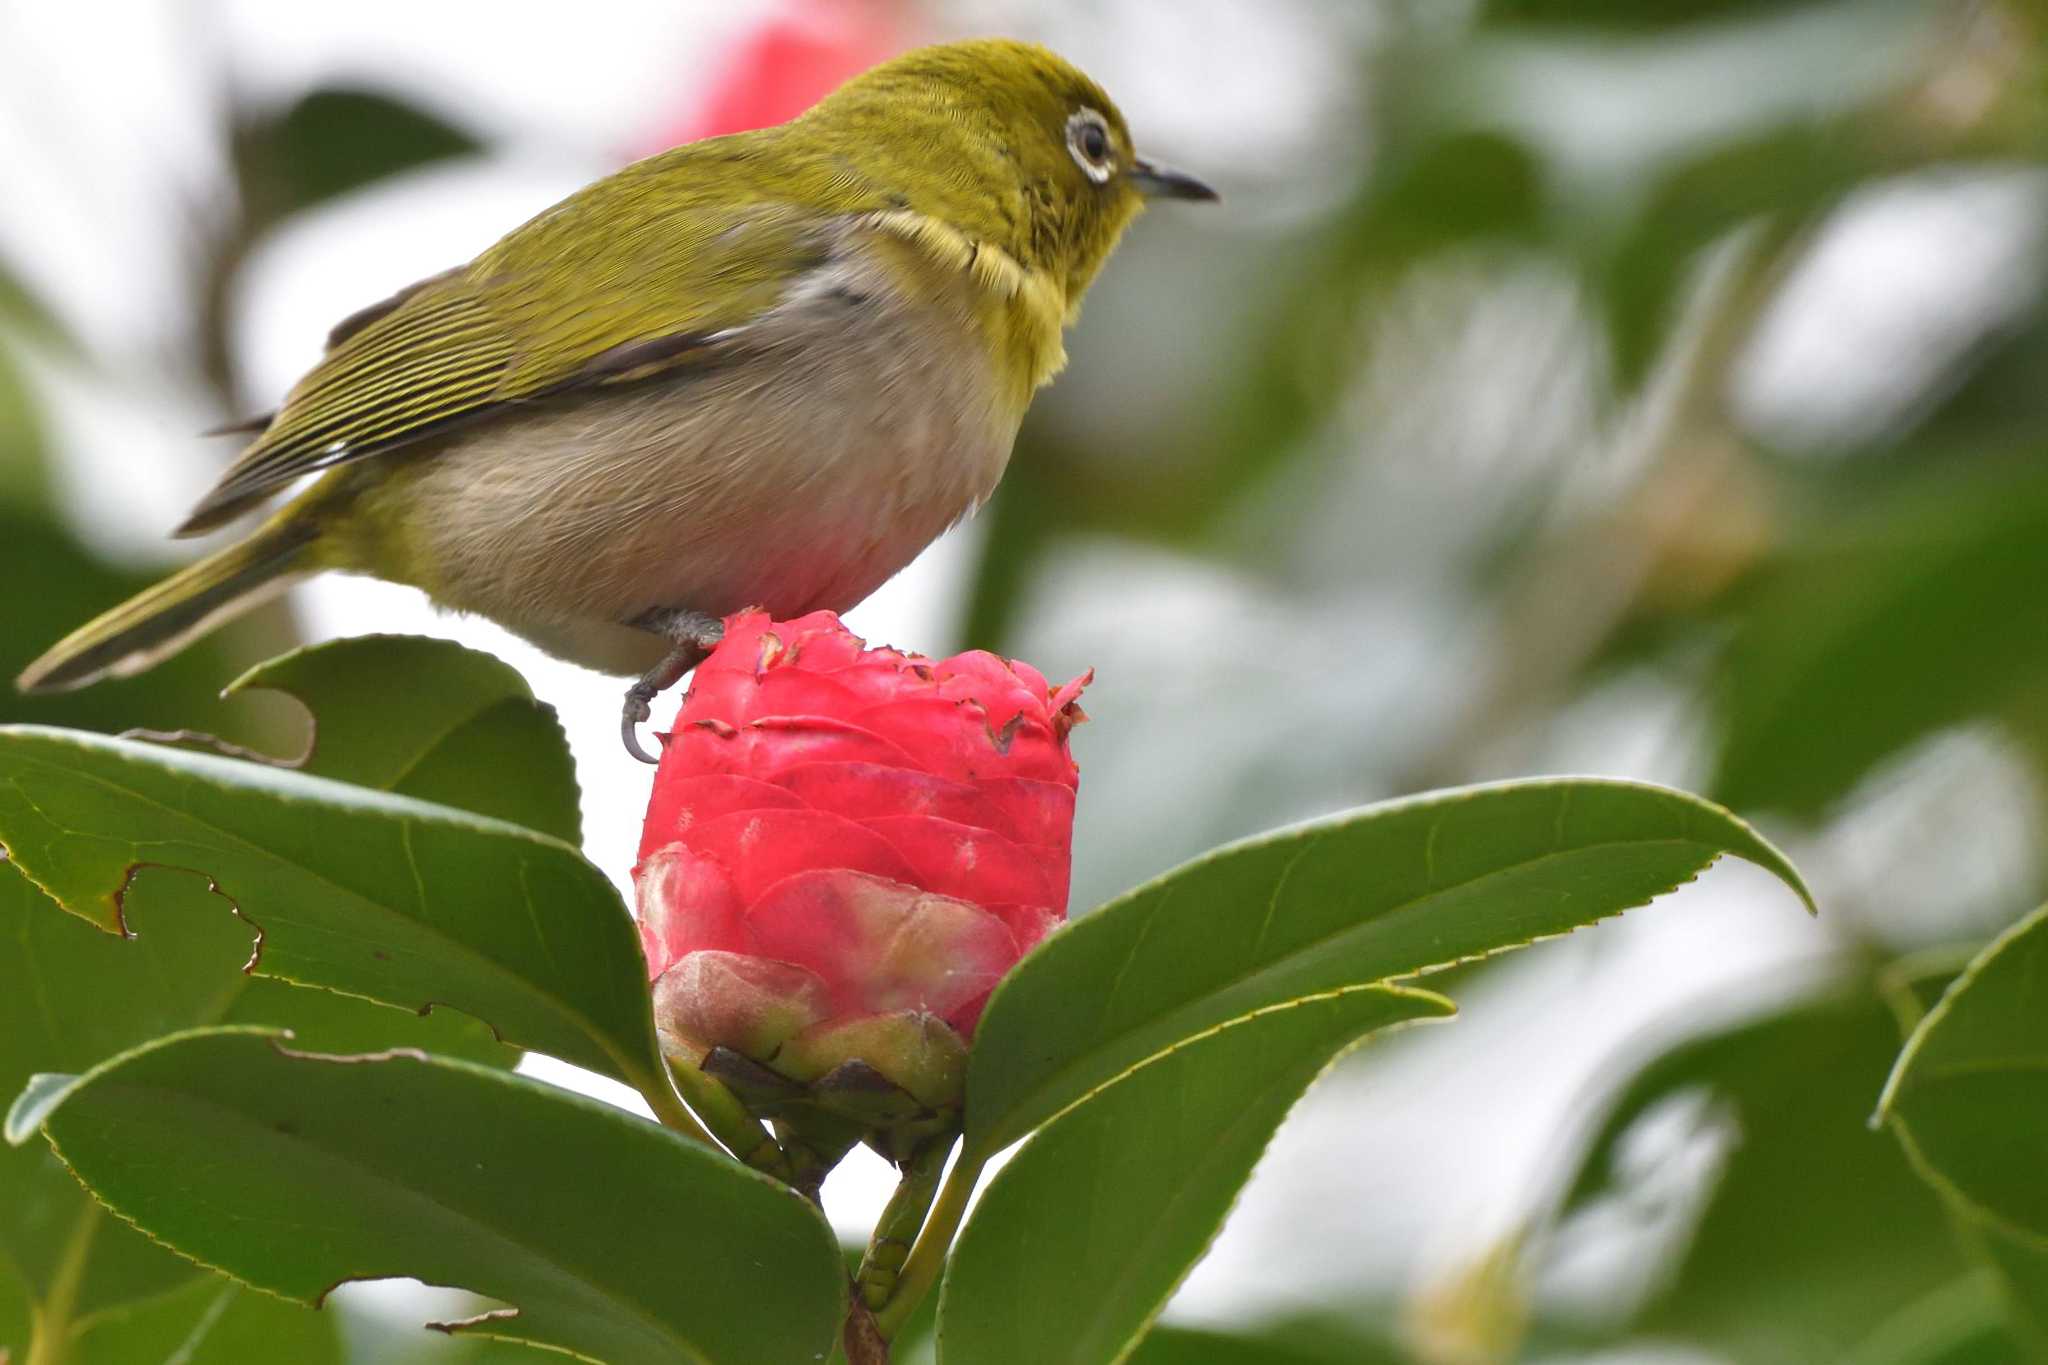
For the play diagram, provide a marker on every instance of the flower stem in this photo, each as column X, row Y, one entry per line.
column 668, row 1107
column 897, row 1228
column 738, row 1131
column 928, row 1257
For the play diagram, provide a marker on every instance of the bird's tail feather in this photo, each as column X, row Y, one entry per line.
column 163, row 619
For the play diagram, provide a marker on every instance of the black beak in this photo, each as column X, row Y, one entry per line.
column 1163, row 182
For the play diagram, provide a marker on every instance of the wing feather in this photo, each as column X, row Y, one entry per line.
column 667, row 263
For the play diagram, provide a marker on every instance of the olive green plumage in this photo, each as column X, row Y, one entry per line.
column 915, row 242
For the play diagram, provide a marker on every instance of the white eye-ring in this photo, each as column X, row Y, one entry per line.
column 1089, row 143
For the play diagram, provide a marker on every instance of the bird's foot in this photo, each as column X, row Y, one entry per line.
column 691, row 635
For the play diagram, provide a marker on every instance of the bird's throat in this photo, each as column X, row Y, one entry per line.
column 1030, row 307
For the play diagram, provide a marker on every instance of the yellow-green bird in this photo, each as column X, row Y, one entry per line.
column 759, row 370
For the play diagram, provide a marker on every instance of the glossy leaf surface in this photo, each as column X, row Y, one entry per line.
column 354, row 890
column 1373, row 894
column 1081, row 1238
column 79, row 995
column 431, row 719
column 614, row 1238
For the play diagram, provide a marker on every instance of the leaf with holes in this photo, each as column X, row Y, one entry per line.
column 346, row 888
column 608, row 1236
column 77, row 995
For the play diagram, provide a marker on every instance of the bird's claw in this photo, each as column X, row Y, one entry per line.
column 691, row 636
column 637, row 711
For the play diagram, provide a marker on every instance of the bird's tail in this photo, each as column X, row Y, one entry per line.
column 162, row 620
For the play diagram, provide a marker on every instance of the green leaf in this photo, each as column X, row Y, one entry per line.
column 1968, row 1099
column 183, row 967
column 1290, row 1343
column 1369, row 895
column 1630, row 14
column 209, row 1322
column 1960, row 1323
column 1913, row 613
column 469, row 735
column 16, row 1314
column 24, row 311
column 76, row 995
column 1082, row 1237
column 612, row 1237
column 333, row 141
column 357, row 891
column 1773, row 1224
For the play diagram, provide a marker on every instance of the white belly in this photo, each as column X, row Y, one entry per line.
column 800, row 476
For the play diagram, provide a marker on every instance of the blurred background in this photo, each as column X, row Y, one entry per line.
column 1589, row 386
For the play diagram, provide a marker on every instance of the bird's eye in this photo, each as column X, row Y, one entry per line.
column 1089, row 143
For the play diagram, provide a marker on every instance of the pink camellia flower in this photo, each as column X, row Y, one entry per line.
column 847, row 848
column 796, row 54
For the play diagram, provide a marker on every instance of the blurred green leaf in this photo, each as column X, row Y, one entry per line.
column 610, row 1235
column 209, row 1322
column 1917, row 611
column 15, row 1314
column 1961, row 1323
column 1630, row 14
column 332, row 141
column 1298, row 350
column 1081, row 1238
column 71, row 586
column 1997, row 402
column 1783, row 179
column 1307, row 1343
column 469, row 735
column 1813, row 1230
column 1968, row 1099
column 24, row 474
column 1368, row 895
column 346, row 888
column 22, row 311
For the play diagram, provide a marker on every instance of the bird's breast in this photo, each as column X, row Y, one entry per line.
column 843, row 433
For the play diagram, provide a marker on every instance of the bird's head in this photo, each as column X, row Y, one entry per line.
column 1010, row 143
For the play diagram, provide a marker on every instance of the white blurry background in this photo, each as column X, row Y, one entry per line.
column 1327, row 635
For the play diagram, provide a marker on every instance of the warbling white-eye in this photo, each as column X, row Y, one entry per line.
column 759, row 370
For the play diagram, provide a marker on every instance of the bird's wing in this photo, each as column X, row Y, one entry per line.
column 657, row 269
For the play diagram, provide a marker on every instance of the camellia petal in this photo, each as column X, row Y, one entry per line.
column 880, row 945
column 690, row 801
column 959, row 860
column 758, row 848
column 847, row 848
column 686, row 903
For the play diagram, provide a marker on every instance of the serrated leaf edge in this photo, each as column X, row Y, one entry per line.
column 1441, row 1008
column 1895, row 1083
column 1764, row 854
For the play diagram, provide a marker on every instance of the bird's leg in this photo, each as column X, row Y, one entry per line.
column 691, row 635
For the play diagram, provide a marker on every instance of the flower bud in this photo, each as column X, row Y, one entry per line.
column 845, row 851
